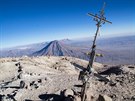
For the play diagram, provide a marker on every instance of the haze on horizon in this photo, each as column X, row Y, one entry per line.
column 32, row 21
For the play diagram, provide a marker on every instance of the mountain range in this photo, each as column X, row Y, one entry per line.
column 115, row 50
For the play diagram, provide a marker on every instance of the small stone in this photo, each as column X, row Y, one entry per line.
column 68, row 92
column 17, row 64
column 20, row 68
column 112, row 83
column 108, row 78
column 19, row 76
column 22, row 84
column 35, row 64
column 39, row 81
column 45, row 78
column 36, row 86
column 31, row 74
column 32, row 83
column 55, row 68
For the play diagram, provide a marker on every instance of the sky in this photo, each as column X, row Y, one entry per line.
column 32, row 21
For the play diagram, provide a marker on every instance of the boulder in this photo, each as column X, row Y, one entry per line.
column 68, row 92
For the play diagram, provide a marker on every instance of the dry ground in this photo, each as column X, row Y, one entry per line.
column 46, row 76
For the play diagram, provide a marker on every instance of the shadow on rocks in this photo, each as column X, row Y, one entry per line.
column 78, row 66
column 28, row 100
column 16, row 87
column 1, row 97
column 112, row 70
column 51, row 97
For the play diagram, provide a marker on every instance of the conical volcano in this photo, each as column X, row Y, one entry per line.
column 58, row 48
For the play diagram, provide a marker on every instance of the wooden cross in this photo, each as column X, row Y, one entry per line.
column 100, row 19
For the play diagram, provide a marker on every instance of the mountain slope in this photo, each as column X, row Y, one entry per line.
column 57, row 48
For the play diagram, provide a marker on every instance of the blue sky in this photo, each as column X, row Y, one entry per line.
column 32, row 21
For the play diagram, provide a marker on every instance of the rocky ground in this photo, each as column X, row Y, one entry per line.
column 45, row 78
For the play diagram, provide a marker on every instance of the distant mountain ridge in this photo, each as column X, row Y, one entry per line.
column 19, row 51
column 116, row 50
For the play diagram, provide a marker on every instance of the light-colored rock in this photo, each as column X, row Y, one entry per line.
column 68, row 92
column 107, row 98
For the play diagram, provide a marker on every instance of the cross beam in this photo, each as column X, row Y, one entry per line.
column 100, row 18
column 97, row 17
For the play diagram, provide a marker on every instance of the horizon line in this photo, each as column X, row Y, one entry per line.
column 76, row 38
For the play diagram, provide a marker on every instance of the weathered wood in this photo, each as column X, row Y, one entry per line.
column 100, row 20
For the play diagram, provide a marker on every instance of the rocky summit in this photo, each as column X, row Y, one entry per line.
column 50, row 78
